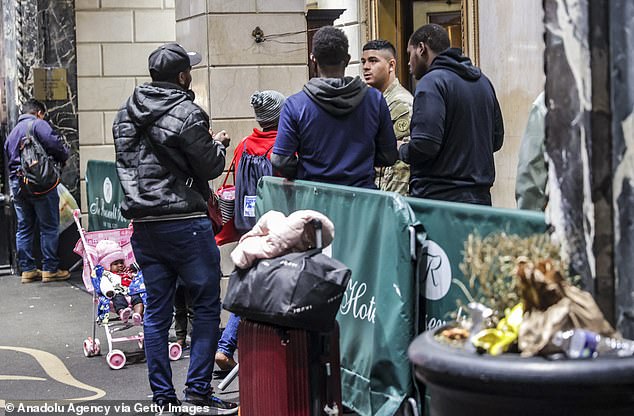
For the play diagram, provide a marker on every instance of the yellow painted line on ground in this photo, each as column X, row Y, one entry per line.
column 56, row 370
column 21, row 378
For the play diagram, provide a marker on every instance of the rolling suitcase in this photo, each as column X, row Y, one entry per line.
column 288, row 372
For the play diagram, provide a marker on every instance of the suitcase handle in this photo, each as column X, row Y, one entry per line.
column 318, row 233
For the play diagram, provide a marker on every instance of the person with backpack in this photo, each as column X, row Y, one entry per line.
column 33, row 136
column 252, row 161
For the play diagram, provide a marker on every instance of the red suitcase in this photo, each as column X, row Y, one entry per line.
column 288, row 372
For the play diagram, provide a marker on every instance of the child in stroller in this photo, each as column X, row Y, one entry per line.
column 120, row 278
column 104, row 286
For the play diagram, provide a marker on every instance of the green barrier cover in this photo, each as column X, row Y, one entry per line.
column 104, row 196
column 377, row 314
column 448, row 226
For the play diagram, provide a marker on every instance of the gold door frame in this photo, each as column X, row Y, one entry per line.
column 471, row 30
column 387, row 27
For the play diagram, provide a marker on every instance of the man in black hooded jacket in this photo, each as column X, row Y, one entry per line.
column 337, row 129
column 456, row 123
column 165, row 156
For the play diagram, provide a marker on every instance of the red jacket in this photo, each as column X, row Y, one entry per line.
column 258, row 143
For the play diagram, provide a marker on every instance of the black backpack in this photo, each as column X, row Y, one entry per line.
column 251, row 169
column 39, row 173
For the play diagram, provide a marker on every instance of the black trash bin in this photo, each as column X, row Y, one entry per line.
column 463, row 383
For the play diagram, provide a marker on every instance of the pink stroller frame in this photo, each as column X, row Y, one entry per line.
column 91, row 275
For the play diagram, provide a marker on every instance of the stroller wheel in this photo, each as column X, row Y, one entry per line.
column 91, row 348
column 140, row 342
column 116, row 359
column 87, row 347
column 175, row 351
column 96, row 347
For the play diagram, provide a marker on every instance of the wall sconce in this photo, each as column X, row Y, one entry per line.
column 258, row 34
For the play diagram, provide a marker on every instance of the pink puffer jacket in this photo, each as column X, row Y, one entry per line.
column 275, row 235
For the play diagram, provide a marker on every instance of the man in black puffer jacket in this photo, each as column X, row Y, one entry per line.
column 165, row 156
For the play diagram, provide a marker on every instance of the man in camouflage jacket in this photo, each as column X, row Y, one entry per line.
column 379, row 71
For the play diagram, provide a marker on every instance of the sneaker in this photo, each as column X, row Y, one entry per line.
column 137, row 319
column 166, row 410
column 224, row 362
column 124, row 315
column 31, row 276
column 215, row 405
column 57, row 276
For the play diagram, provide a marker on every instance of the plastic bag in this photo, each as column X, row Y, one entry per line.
column 67, row 205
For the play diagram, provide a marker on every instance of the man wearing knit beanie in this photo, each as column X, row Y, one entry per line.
column 267, row 106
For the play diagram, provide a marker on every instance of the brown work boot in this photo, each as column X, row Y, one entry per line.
column 225, row 363
column 31, row 276
column 57, row 276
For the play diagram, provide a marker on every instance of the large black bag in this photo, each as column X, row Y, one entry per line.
column 38, row 172
column 298, row 290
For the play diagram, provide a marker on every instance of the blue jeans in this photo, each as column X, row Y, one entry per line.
column 43, row 210
column 229, row 339
column 166, row 250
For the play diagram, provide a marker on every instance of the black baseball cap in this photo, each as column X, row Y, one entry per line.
column 166, row 61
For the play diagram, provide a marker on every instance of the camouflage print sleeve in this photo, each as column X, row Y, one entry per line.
column 401, row 115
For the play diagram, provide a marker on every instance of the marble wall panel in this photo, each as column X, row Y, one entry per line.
column 108, row 117
column 354, row 48
column 354, row 70
column 128, row 4
column 187, row 9
column 111, row 26
column 192, row 35
column 169, row 4
column 86, row 4
column 231, row 43
column 280, row 6
column 154, row 25
column 86, row 153
column 200, row 86
column 351, row 13
column 91, row 127
column 231, row 6
column 103, row 93
column 89, row 60
column 514, row 64
column 127, row 59
column 231, row 87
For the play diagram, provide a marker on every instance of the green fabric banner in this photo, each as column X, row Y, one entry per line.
column 103, row 196
column 377, row 314
column 448, row 226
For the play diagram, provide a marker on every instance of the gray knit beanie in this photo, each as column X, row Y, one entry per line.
column 267, row 106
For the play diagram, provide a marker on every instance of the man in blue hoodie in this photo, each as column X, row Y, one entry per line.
column 456, row 123
column 337, row 129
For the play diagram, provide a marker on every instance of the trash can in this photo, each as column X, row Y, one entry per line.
column 465, row 383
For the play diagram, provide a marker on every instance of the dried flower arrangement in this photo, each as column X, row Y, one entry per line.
column 490, row 265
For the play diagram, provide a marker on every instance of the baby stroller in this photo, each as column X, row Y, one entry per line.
column 103, row 287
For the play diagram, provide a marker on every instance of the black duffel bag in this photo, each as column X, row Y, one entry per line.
column 298, row 290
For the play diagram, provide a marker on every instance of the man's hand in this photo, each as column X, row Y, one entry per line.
column 222, row 136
